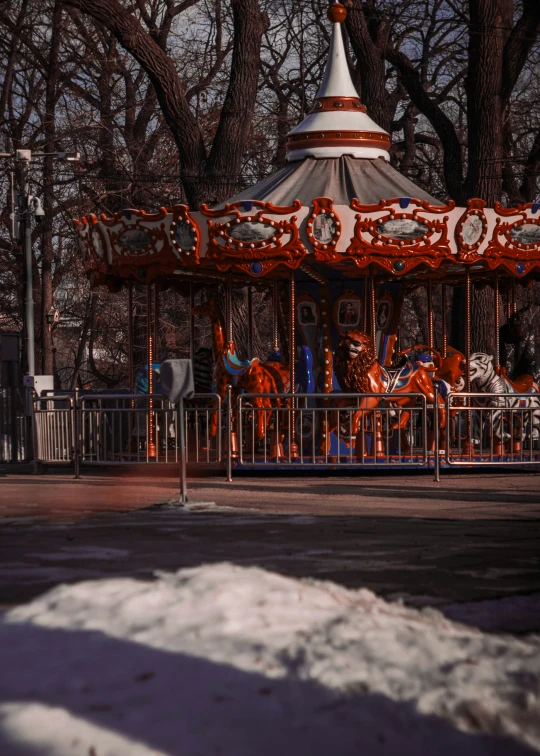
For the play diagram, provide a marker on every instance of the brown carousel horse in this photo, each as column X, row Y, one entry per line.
column 358, row 371
column 253, row 376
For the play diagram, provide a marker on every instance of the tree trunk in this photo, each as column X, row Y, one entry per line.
column 490, row 26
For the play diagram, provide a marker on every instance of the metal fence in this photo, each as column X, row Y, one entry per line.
column 119, row 429
column 268, row 431
column 13, row 426
column 342, row 430
column 493, row 429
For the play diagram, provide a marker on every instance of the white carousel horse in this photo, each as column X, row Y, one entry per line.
column 485, row 379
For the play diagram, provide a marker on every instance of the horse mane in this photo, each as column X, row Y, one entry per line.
column 352, row 375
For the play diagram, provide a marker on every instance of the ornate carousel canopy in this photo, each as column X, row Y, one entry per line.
column 337, row 202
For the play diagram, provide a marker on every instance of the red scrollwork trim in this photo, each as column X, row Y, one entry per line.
column 376, row 240
column 323, row 229
column 404, row 203
column 247, row 206
column 515, row 244
column 227, row 247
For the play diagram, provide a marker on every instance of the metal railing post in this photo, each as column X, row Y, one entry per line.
column 182, row 450
column 76, row 435
column 437, row 463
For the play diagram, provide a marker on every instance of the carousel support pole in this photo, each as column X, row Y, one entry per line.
column 131, row 375
column 514, row 299
column 156, row 321
column 230, row 434
column 275, row 306
column 250, row 321
column 232, row 437
column 372, row 308
column 430, row 312
column 467, row 445
column 228, row 312
column 293, row 447
column 191, row 324
column 444, row 329
column 378, row 442
column 497, row 319
column 497, row 444
column 151, row 446
column 365, row 313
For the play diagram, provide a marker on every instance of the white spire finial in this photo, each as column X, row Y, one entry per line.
column 337, row 124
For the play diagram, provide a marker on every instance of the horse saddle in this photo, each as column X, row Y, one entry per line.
column 523, row 384
column 397, row 377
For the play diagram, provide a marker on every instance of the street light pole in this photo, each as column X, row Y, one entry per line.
column 29, row 287
column 29, row 205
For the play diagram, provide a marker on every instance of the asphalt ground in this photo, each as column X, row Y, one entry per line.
column 471, row 538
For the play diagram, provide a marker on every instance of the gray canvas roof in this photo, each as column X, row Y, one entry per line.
column 340, row 179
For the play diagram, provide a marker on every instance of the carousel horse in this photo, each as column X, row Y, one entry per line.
column 358, row 371
column 251, row 376
column 487, row 379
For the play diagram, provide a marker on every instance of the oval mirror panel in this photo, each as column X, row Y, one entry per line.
column 135, row 239
column 251, row 231
column 528, row 233
column 324, row 228
column 402, row 229
column 471, row 230
column 184, row 235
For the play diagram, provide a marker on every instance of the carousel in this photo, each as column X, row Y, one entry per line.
column 339, row 238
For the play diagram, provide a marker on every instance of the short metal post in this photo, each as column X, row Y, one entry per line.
column 437, row 466
column 229, row 434
column 76, row 435
column 182, row 434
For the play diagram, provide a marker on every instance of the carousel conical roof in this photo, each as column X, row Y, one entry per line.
column 343, row 178
column 337, row 151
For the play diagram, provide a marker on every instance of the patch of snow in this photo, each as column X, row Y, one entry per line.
column 242, row 661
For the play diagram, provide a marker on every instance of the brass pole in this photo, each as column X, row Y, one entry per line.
column 514, row 301
column 156, row 320
column 366, row 295
column 228, row 311
column 430, row 312
column 292, row 337
column 497, row 319
column 372, row 308
column 151, row 447
column 191, row 323
column 444, row 329
column 275, row 306
column 250, row 321
column 292, row 357
column 131, row 376
column 468, row 327
column 467, row 447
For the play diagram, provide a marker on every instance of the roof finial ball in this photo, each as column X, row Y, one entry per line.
column 337, row 13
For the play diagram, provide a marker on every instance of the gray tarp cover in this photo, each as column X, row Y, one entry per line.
column 340, row 179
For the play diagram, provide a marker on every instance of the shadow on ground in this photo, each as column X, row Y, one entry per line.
column 66, row 688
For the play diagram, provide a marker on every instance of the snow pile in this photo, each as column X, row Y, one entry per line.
column 229, row 660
